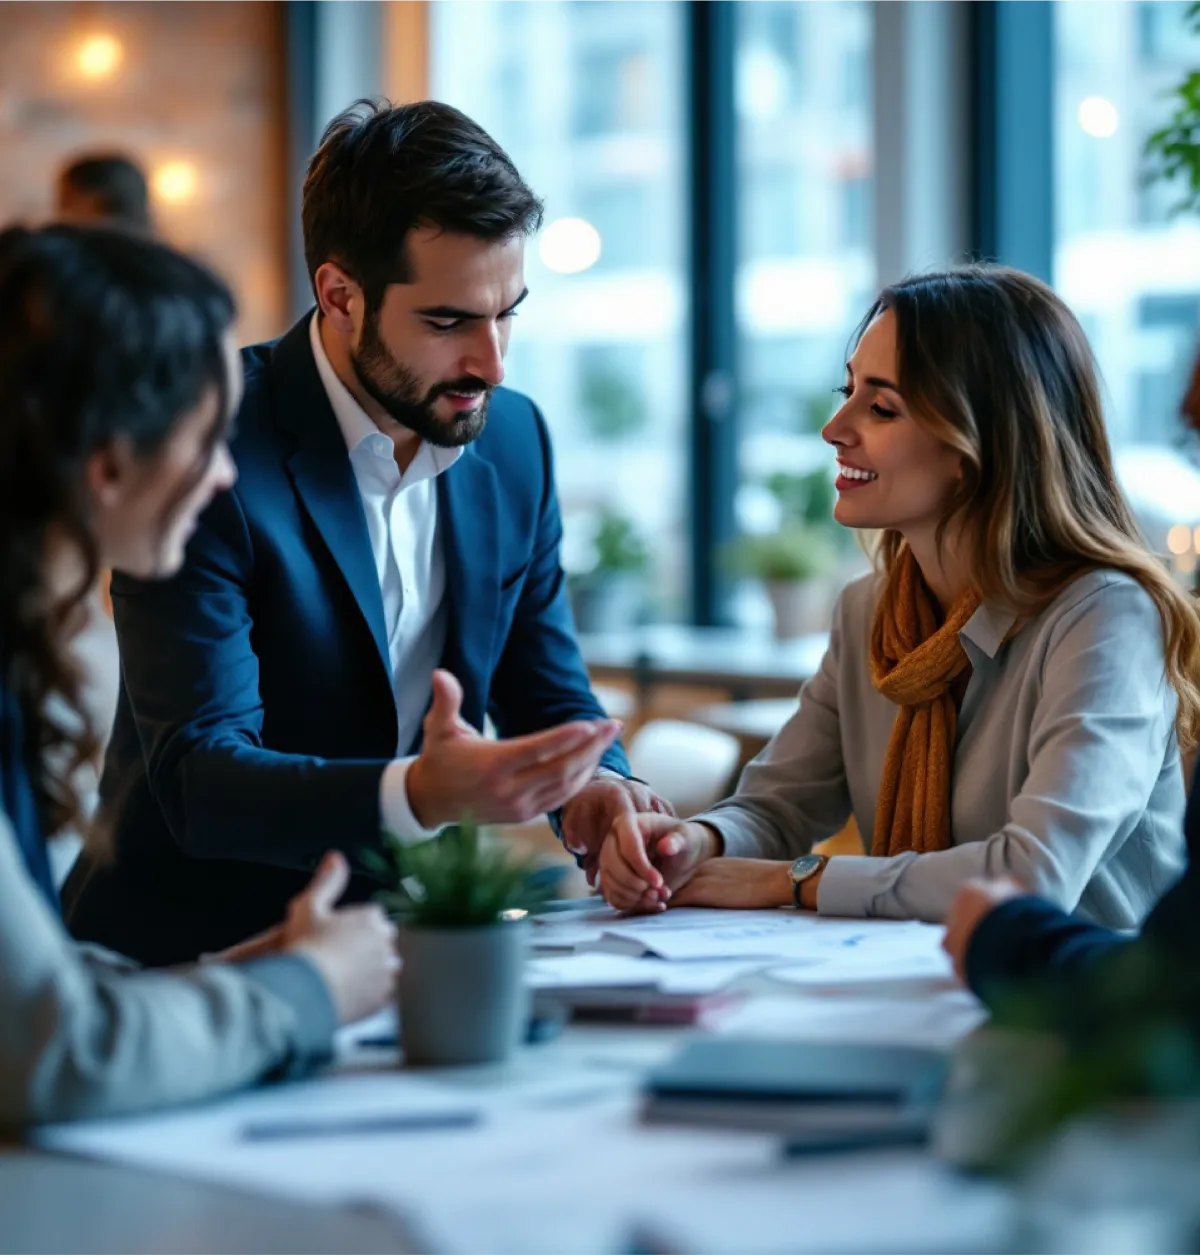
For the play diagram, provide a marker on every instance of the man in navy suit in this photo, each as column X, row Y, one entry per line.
column 385, row 574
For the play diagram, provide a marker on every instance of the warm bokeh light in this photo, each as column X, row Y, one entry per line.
column 569, row 246
column 99, row 57
column 1179, row 538
column 1098, row 116
column 174, row 182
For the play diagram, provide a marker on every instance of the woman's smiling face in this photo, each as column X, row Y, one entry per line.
column 892, row 473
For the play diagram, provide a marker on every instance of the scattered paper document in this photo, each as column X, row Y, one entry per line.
column 614, row 971
column 781, row 934
column 915, row 954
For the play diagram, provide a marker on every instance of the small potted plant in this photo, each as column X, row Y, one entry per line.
column 795, row 566
column 607, row 595
column 462, row 904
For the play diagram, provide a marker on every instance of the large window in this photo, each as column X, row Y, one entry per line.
column 806, row 263
column 587, row 99
column 1127, row 266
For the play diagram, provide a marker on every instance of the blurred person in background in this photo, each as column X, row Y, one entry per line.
column 104, row 188
column 384, row 575
column 120, row 379
column 1008, row 694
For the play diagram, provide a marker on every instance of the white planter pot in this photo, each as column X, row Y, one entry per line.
column 463, row 997
column 606, row 603
column 800, row 606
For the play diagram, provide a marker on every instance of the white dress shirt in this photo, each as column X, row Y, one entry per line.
column 406, row 543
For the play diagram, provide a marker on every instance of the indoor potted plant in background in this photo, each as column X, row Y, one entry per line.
column 796, row 566
column 607, row 595
column 462, row 904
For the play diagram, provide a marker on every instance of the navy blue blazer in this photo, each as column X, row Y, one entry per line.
column 256, row 714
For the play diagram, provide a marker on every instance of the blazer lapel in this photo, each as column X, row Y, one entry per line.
column 320, row 470
column 469, row 507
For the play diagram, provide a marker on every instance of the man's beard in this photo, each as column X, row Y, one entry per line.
column 398, row 390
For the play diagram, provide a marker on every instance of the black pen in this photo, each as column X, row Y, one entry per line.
column 856, row 1140
column 349, row 1126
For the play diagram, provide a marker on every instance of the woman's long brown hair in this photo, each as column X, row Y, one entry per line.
column 104, row 337
column 994, row 365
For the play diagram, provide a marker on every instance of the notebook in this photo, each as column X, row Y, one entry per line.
column 773, row 1085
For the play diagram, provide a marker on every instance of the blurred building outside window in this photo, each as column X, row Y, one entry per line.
column 1127, row 266
column 806, row 276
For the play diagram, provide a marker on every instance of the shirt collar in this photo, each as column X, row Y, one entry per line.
column 988, row 627
column 356, row 426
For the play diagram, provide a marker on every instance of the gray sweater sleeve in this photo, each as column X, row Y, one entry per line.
column 1094, row 750
column 83, row 1033
column 794, row 793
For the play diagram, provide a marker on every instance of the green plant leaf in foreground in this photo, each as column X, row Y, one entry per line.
column 1131, row 1036
column 460, row 879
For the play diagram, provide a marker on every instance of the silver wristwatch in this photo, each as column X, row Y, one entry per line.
column 805, row 868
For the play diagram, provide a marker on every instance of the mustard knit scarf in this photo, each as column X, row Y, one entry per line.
column 915, row 660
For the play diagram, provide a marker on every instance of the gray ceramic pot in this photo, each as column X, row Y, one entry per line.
column 463, row 997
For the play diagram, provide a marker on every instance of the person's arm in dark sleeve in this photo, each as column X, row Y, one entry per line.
column 1029, row 939
column 192, row 676
column 1029, row 958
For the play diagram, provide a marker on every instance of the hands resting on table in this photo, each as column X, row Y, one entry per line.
column 648, row 862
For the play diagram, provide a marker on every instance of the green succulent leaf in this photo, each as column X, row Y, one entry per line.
column 460, row 879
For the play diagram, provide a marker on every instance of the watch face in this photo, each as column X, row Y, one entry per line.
column 806, row 865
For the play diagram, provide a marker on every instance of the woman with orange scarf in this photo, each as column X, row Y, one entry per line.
column 1008, row 693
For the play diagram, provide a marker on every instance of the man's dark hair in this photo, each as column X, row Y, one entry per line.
column 114, row 184
column 383, row 169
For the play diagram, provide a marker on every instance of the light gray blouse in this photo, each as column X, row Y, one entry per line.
column 86, row 1033
column 1067, row 772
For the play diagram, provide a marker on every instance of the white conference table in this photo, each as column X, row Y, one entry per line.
column 559, row 1161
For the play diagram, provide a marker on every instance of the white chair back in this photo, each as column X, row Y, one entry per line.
column 688, row 764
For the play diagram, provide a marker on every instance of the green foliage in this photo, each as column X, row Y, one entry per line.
column 612, row 406
column 807, row 499
column 458, row 880
column 1173, row 151
column 619, row 545
column 793, row 554
column 1131, row 1035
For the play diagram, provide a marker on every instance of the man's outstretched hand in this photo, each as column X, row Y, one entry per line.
column 459, row 771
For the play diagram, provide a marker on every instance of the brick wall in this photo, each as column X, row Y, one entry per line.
column 201, row 83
